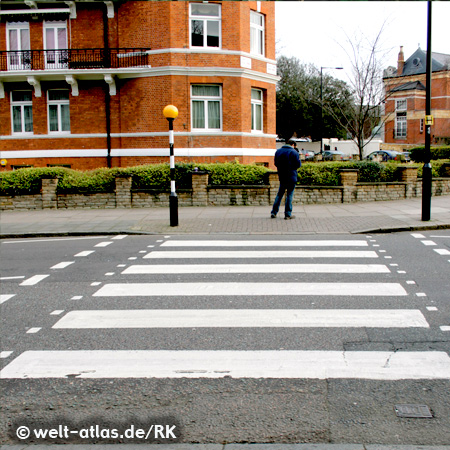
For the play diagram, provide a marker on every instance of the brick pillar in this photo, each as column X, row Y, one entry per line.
column 123, row 191
column 349, row 178
column 200, row 182
column 408, row 175
column 48, row 193
column 274, row 184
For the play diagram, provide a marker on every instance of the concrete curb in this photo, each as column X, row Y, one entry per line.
column 173, row 231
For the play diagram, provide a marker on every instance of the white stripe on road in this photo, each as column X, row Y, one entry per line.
column 299, row 243
column 243, row 289
column 34, row 330
column 417, row 235
column 256, row 318
column 428, row 242
column 103, row 244
column 62, row 265
column 5, row 354
column 256, row 268
column 12, row 278
column 85, row 253
column 33, row 280
column 441, row 251
column 236, row 364
column 263, row 254
column 30, row 241
column 5, row 297
column 120, row 236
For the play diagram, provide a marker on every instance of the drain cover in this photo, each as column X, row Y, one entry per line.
column 413, row 411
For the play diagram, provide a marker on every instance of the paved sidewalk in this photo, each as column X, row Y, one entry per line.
column 370, row 217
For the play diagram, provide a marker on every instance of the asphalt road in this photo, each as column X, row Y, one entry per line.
column 274, row 343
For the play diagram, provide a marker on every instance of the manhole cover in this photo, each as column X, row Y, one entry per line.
column 414, row 411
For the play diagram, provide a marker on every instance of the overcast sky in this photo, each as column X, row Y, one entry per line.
column 314, row 31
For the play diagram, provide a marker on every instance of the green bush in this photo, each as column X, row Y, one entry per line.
column 98, row 180
column 327, row 174
column 437, row 168
column 27, row 181
column 417, row 154
column 157, row 176
column 234, row 174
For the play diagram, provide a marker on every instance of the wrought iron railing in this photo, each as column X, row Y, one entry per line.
column 86, row 58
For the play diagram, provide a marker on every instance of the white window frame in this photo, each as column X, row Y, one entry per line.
column 18, row 61
column 59, row 104
column 401, row 104
column 21, row 104
column 58, row 58
column 205, row 100
column 257, row 103
column 401, row 123
column 257, row 34
column 205, row 20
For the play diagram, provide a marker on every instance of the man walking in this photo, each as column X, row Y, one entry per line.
column 287, row 161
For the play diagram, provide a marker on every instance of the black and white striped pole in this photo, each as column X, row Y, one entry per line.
column 171, row 113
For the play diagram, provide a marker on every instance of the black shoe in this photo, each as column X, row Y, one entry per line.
column 289, row 217
column 273, row 216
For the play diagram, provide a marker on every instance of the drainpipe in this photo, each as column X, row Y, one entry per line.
column 107, row 91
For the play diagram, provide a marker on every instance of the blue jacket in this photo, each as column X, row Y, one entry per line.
column 287, row 161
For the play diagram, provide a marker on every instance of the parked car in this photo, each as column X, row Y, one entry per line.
column 330, row 155
column 383, row 155
column 308, row 154
column 406, row 156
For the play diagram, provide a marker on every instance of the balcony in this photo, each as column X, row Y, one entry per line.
column 70, row 59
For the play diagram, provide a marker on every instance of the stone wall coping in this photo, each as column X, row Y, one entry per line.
column 238, row 186
column 385, row 183
column 309, row 186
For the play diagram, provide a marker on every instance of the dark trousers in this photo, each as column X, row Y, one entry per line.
column 287, row 188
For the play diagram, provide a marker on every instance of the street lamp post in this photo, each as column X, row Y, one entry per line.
column 171, row 113
column 321, row 104
column 427, row 178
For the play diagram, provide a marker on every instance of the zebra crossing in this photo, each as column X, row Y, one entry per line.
column 363, row 282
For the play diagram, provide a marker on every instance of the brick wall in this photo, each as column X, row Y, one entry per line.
column 440, row 109
column 138, row 104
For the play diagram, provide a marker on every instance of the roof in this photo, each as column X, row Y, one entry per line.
column 412, row 85
column 416, row 64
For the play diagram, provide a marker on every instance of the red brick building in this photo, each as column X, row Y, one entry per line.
column 405, row 102
column 84, row 83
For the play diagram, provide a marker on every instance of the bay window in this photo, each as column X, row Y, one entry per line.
column 22, row 112
column 58, row 111
column 206, row 106
column 257, row 110
column 256, row 33
column 205, row 25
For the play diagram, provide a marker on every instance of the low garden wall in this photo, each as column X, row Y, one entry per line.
column 204, row 194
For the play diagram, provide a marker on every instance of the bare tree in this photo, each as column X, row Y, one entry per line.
column 363, row 112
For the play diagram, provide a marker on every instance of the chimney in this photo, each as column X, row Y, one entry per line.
column 400, row 61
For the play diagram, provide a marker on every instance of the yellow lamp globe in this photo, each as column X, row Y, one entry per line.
column 170, row 112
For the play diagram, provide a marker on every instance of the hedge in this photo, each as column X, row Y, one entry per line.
column 417, row 154
column 154, row 176
column 157, row 176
